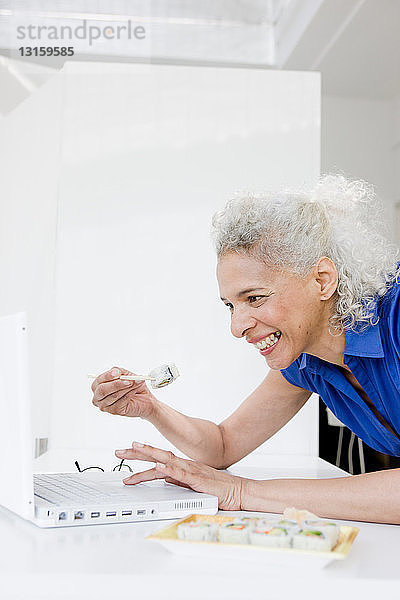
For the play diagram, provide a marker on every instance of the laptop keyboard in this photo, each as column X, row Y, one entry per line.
column 64, row 487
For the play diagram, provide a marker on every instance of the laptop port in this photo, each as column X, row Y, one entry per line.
column 111, row 514
column 141, row 512
column 126, row 513
column 62, row 516
column 94, row 515
column 79, row 515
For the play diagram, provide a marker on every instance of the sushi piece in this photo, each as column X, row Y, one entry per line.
column 291, row 526
column 311, row 539
column 328, row 528
column 164, row 375
column 247, row 520
column 159, row 377
column 234, row 532
column 274, row 537
column 198, row 531
column 267, row 523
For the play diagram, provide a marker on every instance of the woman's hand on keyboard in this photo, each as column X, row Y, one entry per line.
column 121, row 397
column 192, row 474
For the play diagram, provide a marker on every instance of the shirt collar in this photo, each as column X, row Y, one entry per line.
column 365, row 343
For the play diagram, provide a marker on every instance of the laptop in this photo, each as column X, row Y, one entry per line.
column 68, row 499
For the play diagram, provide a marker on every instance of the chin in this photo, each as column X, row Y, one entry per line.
column 278, row 366
column 279, row 362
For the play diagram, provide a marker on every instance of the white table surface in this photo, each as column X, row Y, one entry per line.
column 115, row 561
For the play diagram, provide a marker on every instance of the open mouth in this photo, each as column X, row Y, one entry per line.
column 267, row 345
column 269, row 341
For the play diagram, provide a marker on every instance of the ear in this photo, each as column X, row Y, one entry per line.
column 326, row 276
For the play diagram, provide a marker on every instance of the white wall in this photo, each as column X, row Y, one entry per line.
column 358, row 139
column 30, row 163
column 396, row 156
column 148, row 153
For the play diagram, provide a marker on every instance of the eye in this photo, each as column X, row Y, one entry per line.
column 255, row 299
column 229, row 305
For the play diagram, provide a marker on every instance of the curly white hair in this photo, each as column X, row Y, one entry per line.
column 339, row 218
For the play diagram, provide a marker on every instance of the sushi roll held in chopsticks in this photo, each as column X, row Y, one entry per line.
column 164, row 375
column 158, row 377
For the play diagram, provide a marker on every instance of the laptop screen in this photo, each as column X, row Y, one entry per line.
column 16, row 440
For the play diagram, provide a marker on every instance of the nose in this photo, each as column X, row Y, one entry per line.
column 241, row 322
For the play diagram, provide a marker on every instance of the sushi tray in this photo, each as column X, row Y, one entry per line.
column 276, row 541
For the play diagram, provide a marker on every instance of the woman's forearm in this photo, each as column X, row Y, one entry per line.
column 199, row 439
column 373, row 497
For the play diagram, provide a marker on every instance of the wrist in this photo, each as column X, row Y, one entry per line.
column 152, row 414
column 249, row 494
column 244, row 492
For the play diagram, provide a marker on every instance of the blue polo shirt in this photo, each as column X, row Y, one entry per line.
column 373, row 356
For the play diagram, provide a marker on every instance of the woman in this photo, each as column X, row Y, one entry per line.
column 312, row 284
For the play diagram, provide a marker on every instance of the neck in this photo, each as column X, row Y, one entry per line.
column 326, row 346
column 330, row 348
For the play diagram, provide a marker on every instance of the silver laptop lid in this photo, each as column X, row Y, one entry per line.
column 16, row 439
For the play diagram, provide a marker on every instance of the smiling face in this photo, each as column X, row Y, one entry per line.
column 278, row 312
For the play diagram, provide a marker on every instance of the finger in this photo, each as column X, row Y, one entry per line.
column 122, row 406
column 112, row 399
column 109, row 375
column 175, row 482
column 107, row 393
column 145, row 452
column 148, row 475
column 180, row 474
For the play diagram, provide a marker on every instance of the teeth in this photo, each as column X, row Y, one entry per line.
column 268, row 341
